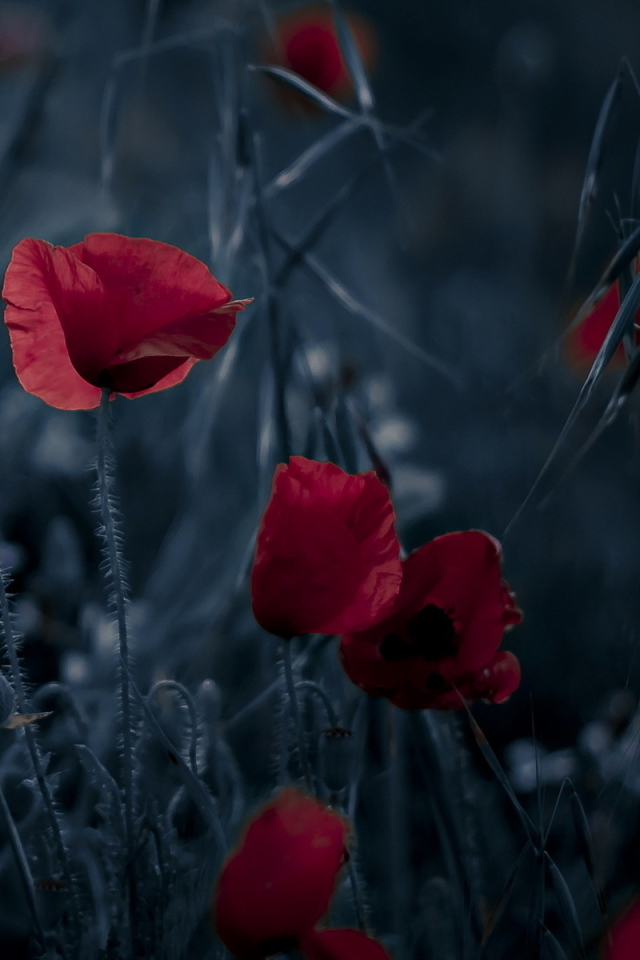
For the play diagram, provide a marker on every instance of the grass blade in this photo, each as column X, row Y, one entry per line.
column 622, row 323
column 594, row 165
column 566, row 904
column 290, row 79
column 501, row 777
column 353, row 60
column 583, row 833
column 315, row 152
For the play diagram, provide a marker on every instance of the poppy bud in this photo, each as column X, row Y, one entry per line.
column 278, row 882
column 335, row 757
column 327, row 556
column 7, row 698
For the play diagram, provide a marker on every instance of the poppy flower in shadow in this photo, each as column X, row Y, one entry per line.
column 341, row 945
column 23, row 37
column 444, row 630
column 585, row 339
column 133, row 315
column 278, row 883
column 625, row 936
column 306, row 42
column 327, row 557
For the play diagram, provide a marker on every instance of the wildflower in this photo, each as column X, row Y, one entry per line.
column 23, row 38
column 443, row 631
column 625, row 935
column 307, row 44
column 277, row 884
column 586, row 338
column 133, row 315
column 341, row 945
column 327, row 557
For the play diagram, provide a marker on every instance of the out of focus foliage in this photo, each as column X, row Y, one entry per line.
column 409, row 253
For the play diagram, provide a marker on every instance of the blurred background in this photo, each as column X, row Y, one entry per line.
column 456, row 251
column 466, row 253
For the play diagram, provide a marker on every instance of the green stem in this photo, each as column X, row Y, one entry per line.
column 34, row 753
column 108, row 506
column 295, row 713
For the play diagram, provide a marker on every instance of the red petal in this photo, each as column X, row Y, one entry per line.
column 327, row 556
column 585, row 340
column 33, row 291
column 279, row 881
column 158, row 283
column 171, row 379
column 463, row 572
column 625, row 936
column 198, row 337
column 341, row 945
column 142, row 376
column 312, row 51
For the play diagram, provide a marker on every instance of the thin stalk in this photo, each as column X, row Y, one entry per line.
column 356, row 893
column 295, row 713
column 332, row 716
column 107, row 505
column 187, row 699
column 34, row 753
column 23, row 869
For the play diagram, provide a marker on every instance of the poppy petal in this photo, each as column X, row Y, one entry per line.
column 585, row 339
column 41, row 354
column 279, row 881
column 342, row 944
column 199, row 337
column 462, row 572
column 144, row 375
column 624, row 943
column 497, row 681
column 159, row 283
column 172, row 379
column 327, row 556
column 454, row 586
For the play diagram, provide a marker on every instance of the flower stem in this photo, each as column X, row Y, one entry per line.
column 295, row 713
column 108, row 507
column 34, row 753
column 23, row 869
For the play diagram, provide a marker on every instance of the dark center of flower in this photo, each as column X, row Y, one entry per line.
column 435, row 681
column 394, row 648
column 431, row 634
column 434, row 633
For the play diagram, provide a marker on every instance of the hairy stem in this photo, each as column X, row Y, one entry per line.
column 23, row 868
column 108, row 506
column 34, row 753
column 295, row 713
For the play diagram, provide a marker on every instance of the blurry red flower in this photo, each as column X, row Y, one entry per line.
column 341, row 945
column 327, row 557
column 133, row 315
column 278, row 883
column 625, row 936
column 23, row 37
column 308, row 45
column 444, row 629
column 584, row 341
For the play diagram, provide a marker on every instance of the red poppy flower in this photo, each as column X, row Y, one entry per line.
column 625, row 936
column 341, row 945
column 308, row 45
column 584, row 341
column 133, row 315
column 22, row 37
column 443, row 631
column 327, row 557
column 278, row 883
